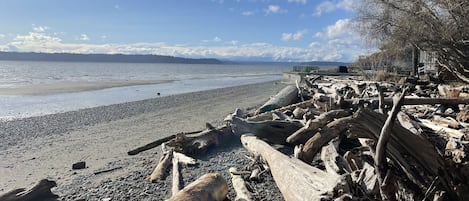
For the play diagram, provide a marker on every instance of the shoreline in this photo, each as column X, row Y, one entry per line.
column 71, row 87
column 41, row 147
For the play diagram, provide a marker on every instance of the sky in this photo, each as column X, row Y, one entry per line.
column 261, row 30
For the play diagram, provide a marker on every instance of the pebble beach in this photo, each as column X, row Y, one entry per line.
column 46, row 146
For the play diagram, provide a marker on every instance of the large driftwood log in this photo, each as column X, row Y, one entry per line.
column 295, row 179
column 159, row 173
column 209, row 187
column 286, row 96
column 272, row 131
column 199, row 143
column 41, row 191
column 242, row 193
column 327, row 133
column 311, row 127
column 425, row 162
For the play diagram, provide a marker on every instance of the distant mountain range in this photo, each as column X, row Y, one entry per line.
column 126, row 58
column 33, row 56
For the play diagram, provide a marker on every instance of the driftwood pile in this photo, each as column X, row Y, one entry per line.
column 347, row 140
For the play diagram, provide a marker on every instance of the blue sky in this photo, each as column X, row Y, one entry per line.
column 266, row 30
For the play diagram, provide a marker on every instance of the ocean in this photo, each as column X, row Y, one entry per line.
column 175, row 79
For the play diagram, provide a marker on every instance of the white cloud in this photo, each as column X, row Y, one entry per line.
column 247, row 13
column 2, row 36
column 293, row 36
column 341, row 40
column 84, row 37
column 216, row 39
column 103, row 37
column 330, row 6
column 297, row 1
column 347, row 4
column 341, row 28
column 274, row 9
column 40, row 28
column 286, row 36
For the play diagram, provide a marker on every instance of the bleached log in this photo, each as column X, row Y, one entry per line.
column 242, row 193
column 176, row 177
column 40, row 191
column 295, row 179
column 408, row 123
column 159, row 173
column 273, row 131
column 199, row 143
column 442, row 130
column 327, row 133
column 311, row 127
column 268, row 115
column 210, row 187
column 286, row 96
column 447, row 121
column 183, row 159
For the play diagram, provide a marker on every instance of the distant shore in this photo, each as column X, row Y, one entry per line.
column 69, row 87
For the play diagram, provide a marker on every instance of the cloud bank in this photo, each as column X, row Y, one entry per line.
column 334, row 43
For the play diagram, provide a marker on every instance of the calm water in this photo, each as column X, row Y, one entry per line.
column 186, row 78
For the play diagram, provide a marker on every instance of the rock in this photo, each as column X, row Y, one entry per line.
column 79, row 165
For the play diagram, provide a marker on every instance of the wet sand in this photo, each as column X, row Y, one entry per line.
column 69, row 87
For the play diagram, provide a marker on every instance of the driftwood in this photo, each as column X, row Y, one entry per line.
column 442, row 130
column 333, row 162
column 295, row 179
column 41, row 191
column 159, row 173
column 311, row 127
column 286, row 96
column 387, row 189
column 196, row 144
column 176, row 177
column 150, row 145
column 183, row 159
column 107, row 170
column 242, row 193
column 268, row 115
column 416, row 101
column 329, row 132
column 273, row 131
column 210, row 187
column 403, row 145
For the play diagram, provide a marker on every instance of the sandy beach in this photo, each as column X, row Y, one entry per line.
column 46, row 147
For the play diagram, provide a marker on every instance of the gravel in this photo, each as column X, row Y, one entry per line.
column 128, row 181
